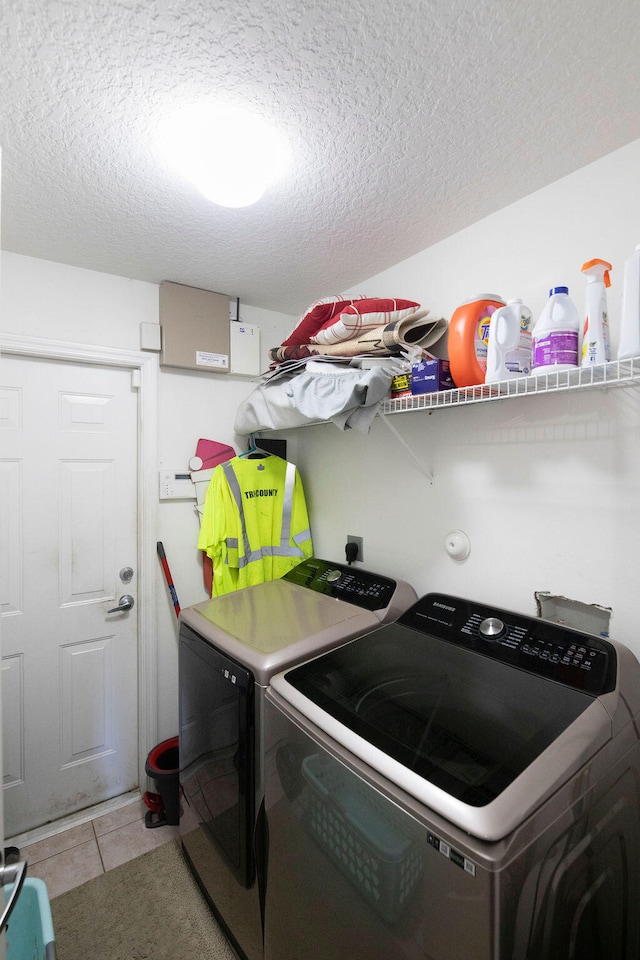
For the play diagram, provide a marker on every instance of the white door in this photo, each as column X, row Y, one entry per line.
column 68, row 528
column 3, row 939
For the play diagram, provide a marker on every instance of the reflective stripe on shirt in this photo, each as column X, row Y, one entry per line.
column 280, row 550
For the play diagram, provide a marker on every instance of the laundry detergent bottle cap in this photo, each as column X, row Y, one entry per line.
column 555, row 337
column 595, row 332
column 468, row 338
column 629, row 345
column 509, row 346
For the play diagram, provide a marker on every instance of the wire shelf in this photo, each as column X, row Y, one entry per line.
column 613, row 374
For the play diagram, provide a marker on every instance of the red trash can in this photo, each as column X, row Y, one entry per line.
column 163, row 767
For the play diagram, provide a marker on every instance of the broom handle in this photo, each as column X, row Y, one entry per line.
column 168, row 577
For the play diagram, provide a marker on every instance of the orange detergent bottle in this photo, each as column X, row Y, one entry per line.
column 468, row 339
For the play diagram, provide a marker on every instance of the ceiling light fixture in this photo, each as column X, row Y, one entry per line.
column 230, row 155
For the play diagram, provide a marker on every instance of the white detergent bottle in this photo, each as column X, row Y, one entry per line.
column 509, row 345
column 595, row 333
column 630, row 312
column 555, row 337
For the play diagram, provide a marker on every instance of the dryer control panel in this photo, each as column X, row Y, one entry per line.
column 548, row 649
column 368, row 590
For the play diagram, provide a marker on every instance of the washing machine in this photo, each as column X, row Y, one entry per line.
column 465, row 782
column 229, row 647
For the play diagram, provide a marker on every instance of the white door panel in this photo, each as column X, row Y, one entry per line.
column 68, row 485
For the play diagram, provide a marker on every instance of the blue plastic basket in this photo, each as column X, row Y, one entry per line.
column 352, row 824
column 30, row 927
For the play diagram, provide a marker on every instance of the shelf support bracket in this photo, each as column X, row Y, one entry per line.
column 404, row 443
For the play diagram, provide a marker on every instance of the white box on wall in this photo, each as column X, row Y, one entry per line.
column 150, row 338
column 244, row 346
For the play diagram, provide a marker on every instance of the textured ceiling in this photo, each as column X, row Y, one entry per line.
column 407, row 121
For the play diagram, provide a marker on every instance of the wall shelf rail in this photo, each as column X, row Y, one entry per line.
column 613, row 374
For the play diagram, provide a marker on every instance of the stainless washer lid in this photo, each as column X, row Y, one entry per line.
column 319, row 605
column 275, row 624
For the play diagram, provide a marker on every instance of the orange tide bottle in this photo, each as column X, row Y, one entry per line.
column 468, row 338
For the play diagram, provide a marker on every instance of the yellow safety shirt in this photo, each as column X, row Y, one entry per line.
column 254, row 525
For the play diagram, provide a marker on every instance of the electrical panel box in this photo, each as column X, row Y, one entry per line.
column 195, row 328
column 245, row 348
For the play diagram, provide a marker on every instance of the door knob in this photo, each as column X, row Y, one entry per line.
column 124, row 603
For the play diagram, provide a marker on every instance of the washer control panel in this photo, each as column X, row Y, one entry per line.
column 360, row 587
column 539, row 646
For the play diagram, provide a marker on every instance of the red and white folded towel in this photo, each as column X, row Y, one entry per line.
column 342, row 327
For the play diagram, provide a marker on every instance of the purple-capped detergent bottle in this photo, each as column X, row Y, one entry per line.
column 555, row 338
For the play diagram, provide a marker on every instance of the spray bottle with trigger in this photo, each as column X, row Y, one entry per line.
column 595, row 334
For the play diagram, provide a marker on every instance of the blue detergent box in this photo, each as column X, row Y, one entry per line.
column 430, row 376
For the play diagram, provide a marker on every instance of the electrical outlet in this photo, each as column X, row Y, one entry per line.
column 358, row 541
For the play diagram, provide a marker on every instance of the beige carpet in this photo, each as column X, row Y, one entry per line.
column 148, row 909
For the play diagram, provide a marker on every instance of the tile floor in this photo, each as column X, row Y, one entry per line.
column 68, row 857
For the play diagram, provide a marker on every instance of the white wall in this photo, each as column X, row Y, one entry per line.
column 192, row 405
column 55, row 301
column 532, row 245
column 546, row 488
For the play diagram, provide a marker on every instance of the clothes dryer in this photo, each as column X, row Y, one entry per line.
column 464, row 782
column 229, row 647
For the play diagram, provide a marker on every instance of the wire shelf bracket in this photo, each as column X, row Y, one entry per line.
column 404, row 443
